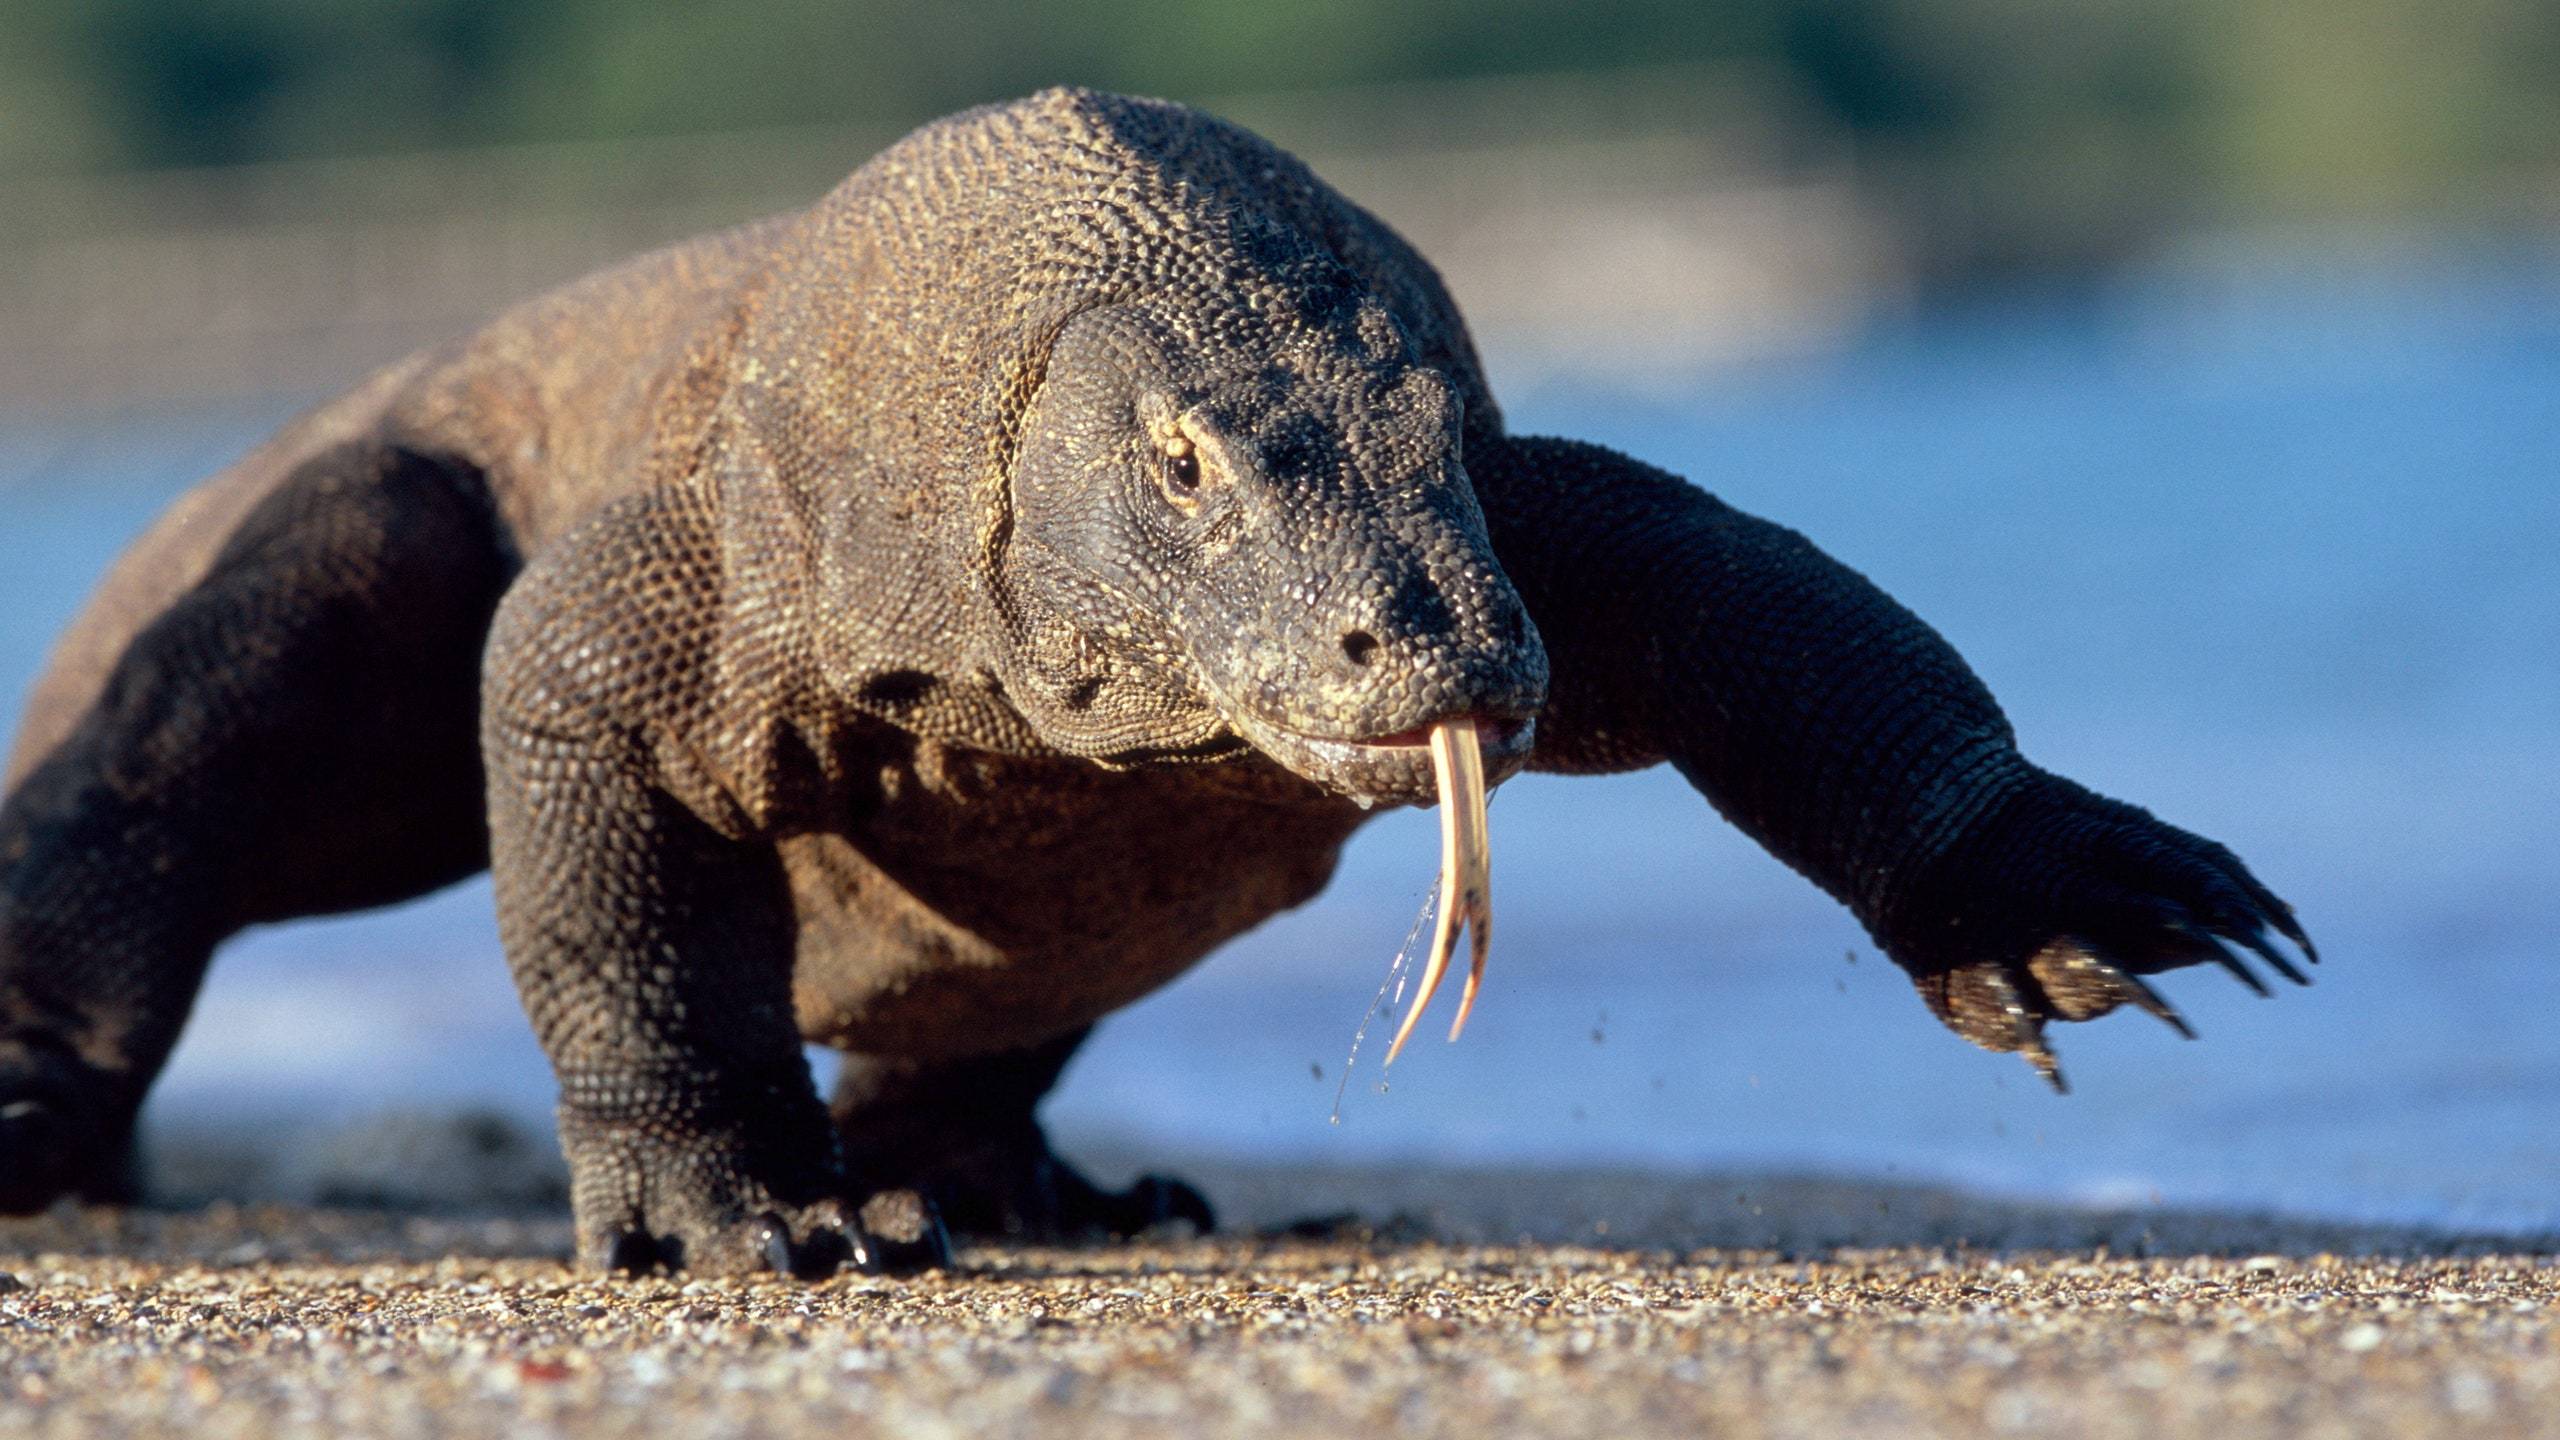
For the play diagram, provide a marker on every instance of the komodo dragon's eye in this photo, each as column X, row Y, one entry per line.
column 1180, row 475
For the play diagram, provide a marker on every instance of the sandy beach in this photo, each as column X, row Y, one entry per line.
column 1459, row 1303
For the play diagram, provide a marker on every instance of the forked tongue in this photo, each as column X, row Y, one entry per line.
column 1466, row 890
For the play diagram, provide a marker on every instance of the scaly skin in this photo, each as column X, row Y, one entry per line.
column 928, row 622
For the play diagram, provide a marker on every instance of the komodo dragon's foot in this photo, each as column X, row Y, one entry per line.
column 1017, row 1188
column 965, row 1133
column 659, row 1195
column 2055, row 904
column 54, row 1142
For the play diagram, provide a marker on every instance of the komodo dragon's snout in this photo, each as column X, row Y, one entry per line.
column 1262, row 535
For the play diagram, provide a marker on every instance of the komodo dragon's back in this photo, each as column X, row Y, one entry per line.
column 599, row 388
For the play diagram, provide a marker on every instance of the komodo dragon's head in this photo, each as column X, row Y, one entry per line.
column 1213, row 455
column 1248, row 524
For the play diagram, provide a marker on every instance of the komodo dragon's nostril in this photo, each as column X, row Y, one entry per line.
column 1359, row 645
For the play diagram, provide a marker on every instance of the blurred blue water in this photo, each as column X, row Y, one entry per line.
column 2275, row 559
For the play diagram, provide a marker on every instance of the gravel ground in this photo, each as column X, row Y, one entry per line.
column 1483, row 1304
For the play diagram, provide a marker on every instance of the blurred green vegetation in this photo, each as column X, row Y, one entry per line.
column 2025, row 125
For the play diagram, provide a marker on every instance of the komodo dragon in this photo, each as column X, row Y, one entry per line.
column 927, row 622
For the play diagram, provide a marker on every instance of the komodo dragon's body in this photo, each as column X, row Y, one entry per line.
column 927, row 622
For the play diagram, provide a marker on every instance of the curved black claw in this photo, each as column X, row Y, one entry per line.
column 2147, row 1000
column 2270, row 909
column 2215, row 941
column 777, row 1245
column 633, row 1252
column 2040, row 1055
column 820, row 1254
column 2241, row 973
column 902, row 1234
column 2256, row 941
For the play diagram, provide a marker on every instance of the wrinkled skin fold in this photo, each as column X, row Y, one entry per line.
column 923, row 624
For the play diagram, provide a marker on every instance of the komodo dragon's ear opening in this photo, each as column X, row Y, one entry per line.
column 1009, row 387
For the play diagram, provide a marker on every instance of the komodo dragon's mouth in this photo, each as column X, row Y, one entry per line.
column 1457, row 750
column 1394, row 769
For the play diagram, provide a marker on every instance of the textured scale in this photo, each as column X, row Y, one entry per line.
column 925, row 623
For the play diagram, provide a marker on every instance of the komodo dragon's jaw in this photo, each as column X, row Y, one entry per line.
column 1393, row 769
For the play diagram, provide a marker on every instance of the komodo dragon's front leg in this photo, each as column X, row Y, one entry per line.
column 1846, row 736
column 651, row 944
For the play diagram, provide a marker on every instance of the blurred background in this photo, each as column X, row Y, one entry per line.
column 2194, row 364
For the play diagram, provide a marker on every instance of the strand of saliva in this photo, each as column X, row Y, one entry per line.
column 1390, row 995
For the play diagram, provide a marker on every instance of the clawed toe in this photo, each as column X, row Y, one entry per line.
column 827, row 1248
column 1045, row 1200
column 2142, row 997
column 2077, row 982
column 2215, row 943
column 2226, row 906
column 823, row 1243
column 902, row 1234
column 2239, row 971
column 2268, row 910
column 2255, row 939
column 633, row 1252
column 2026, row 1036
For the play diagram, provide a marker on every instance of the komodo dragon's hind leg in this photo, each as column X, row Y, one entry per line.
column 293, row 735
column 964, row 1133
